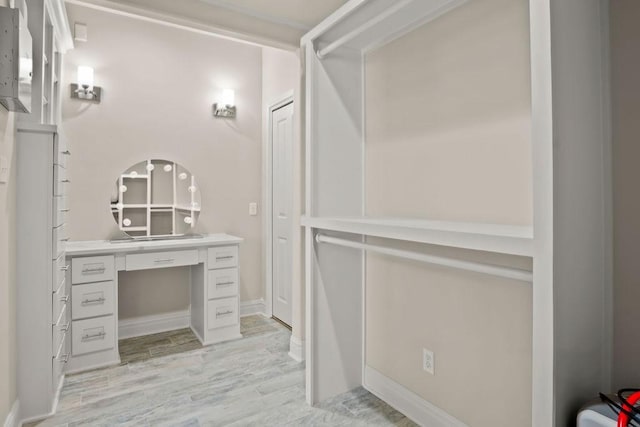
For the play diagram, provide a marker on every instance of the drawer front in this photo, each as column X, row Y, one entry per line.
column 59, row 240
column 223, row 257
column 223, row 283
column 59, row 301
column 93, row 335
column 58, row 332
column 59, row 271
column 161, row 260
column 61, row 154
column 92, row 269
column 222, row 312
column 92, row 300
column 60, row 210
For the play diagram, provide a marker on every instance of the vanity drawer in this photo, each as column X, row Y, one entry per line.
column 59, row 210
column 223, row 283
column 222, row 312
column 92, row 300
column 223, row 257
column 59, row 240
column 59, row 301
column 92, row 269
column 59, row 271
column 161, row 260
column 59, row 330
column 93, row 335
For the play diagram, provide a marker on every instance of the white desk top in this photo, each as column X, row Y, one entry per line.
column 95, row 247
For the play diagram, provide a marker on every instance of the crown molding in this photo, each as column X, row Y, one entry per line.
column 225, row 4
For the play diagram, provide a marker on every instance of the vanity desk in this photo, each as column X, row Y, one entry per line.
column 93, row 274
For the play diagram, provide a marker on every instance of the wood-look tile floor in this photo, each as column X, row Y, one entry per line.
column 247, row 382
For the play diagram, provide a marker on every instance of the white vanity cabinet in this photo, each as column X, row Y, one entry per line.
column 94, row 269
column 44, row 287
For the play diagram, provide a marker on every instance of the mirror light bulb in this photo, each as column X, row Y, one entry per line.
column 188, row 220
column 126, row 222
column 182, row 176
column 85, row 77
column 119, row 206
column 228, row 98
column 150, row 167
column 123, row 188
column 168, row 168
column 192, row 189
column 134, row 173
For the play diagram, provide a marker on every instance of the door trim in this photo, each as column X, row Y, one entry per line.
column 267, row 195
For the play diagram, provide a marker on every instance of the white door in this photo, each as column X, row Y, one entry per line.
column 282, row 155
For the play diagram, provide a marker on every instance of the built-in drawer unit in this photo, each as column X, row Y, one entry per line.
column 93, row 335
column 92, row 269
column 59, row 330
column 59, row 300
column 223, row 257
column 222, row 312
column 92, row 300
column 222, row 283
column 161, row 260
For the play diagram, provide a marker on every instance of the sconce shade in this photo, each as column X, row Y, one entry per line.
column 228, row 98
column 226, row 104
column 85, row 77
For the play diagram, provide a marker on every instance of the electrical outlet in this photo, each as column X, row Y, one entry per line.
column 428, row 361
column 253, row 209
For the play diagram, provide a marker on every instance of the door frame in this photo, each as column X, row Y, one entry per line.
column 267, row 202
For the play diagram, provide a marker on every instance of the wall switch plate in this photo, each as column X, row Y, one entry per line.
column 253, row 209
column 4, row 170
column 428, row 361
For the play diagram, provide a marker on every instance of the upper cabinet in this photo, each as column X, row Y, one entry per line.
column 49, row 27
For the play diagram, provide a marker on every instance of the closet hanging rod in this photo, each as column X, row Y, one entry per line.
column 321, row 53
column 494, row 270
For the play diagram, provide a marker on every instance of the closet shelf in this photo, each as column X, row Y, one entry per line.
column 506, row 239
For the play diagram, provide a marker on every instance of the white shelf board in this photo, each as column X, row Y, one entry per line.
column 129, row 176
column 134, row 228
column 506, row 239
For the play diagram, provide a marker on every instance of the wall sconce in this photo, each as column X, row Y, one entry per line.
column 226, row 105
column 84, row 88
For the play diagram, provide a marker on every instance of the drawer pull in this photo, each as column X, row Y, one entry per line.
column 164, row 261
column 65, row 328
column 64, row 298
column 66, row 239
column 223, row 313
column 66, row 181
column 65, row 268
column 225, row 284
column 66, row 153
column 65, row 210
column 94, row 270
column 64, row 359
column 219, row 258
column 98, row 336
column 100, row 300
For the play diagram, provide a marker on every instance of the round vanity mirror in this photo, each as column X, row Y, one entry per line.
column 156, row 198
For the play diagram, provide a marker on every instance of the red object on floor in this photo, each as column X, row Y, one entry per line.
column 623, row 419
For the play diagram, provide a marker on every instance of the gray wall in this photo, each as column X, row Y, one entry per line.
column 625, row 55
column 159, row 86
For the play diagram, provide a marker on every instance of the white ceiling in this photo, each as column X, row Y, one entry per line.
column 299, row 14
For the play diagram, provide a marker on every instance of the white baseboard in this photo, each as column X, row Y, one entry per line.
column 296, row 349
column 249, row 308
column 407, row 402
column 13, row 417
column 147, row 325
